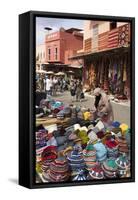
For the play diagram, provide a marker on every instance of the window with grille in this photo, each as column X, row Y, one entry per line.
column 56, row 53
column 49, row 54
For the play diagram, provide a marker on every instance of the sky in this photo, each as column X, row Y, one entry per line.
column 55, row 24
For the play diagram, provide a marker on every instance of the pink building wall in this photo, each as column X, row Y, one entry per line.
column 66, row 43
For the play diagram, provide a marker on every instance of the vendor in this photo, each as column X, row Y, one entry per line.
column 102, row 106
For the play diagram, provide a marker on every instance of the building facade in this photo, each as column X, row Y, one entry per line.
column 40, row 56
column 63, row 44
column 106, row 56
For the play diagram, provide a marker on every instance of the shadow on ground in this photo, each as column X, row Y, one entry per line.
column 13, row 180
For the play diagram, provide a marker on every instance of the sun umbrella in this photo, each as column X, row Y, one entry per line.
column 41, row 71
column 49, row 72
column 60, row 74
column 71, row 72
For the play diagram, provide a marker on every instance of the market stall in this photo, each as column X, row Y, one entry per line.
column 73, row 146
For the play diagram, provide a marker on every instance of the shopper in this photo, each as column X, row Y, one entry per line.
column 78, row 90
column 73, row 90
column 51, row 85
column 102, row 106
column 48, row 86
column 55, row 85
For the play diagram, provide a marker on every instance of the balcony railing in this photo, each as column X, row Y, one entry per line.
column 118, row 37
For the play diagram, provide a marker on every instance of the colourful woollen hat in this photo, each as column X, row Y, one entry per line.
column 90, row 127
column 112, row 147
column 111, row 143
column 58, row 171
column 123, row 164
column 96, row 172
column 89, row 155
column 128, row 136
column 92, row 136
column 110, row 168
column 100, row 134
column 100, row 125
column 80, row 175
column 83, row 136
column 76, row 160
column 124, row 128
column 117, row 131
column 101, row 151
column 122, row 145
column 116, row 124
column 49, row 153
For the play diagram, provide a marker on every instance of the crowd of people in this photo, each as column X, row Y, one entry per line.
column 51, row 84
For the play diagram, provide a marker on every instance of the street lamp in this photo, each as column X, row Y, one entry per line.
column 48, row 29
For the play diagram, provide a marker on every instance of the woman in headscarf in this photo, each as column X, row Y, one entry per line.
column 102, row 106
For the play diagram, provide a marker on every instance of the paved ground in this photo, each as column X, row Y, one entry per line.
column 121, row 112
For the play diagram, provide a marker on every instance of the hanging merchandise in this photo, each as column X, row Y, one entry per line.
column 124, row 73
column 123, row 35
column 109, row 72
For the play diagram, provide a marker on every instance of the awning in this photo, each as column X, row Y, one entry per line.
column 76, row 66
column 107, row 51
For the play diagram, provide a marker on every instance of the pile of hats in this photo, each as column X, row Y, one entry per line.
column 89, row 154
column 101, row 151
column 123, row 165
column 122, row 145
column 110, row 168
column 112, row 147
column 40, row 143
column 58, row 171
column 76, row 161
column 96, row 173
column 48, row 155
